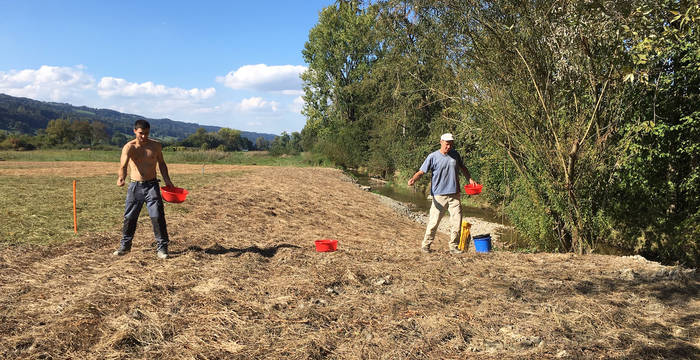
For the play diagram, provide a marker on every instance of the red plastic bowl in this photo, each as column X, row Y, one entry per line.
column 325, row 245
column 173, row 194
column 473, row 189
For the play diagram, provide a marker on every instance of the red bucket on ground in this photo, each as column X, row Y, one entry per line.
column 325, row 245
column 173, row 194
column 473, row 189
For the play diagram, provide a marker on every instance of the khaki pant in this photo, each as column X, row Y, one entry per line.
column 441, row 203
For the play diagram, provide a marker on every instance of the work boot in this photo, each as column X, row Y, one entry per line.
column 456, row 251
column 121, row 251
column 426, row 250
column 162, row 253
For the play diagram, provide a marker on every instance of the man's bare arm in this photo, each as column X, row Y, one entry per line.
column 123, row 164
column 163, row 168
column 466, row 174
column 415, row 177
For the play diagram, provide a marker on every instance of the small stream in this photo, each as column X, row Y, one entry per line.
column 417, row 201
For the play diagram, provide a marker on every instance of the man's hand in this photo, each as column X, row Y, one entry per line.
column 120, row 182
column 471, row 181
column 415, row 177
column 169, row 184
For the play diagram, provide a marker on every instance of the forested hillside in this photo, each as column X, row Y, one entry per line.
column 26, row 116
column 581, row 118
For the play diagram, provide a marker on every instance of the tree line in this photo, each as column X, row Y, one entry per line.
column 79, row 133
column 582, row 118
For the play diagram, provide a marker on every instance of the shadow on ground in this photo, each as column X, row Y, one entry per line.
column 217, row 249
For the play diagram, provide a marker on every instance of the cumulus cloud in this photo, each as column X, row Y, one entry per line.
column 115, row 87
column 297, row 105
column 54, row 83
column 257, row 104
column 281, row 78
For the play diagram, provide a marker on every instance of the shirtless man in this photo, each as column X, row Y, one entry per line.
column 141, row 155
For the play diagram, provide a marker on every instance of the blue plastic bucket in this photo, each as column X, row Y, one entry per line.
column 482, row 243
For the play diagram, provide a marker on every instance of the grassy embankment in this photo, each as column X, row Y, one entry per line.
column 37, row 209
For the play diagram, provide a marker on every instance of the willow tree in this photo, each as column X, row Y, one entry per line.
column 545, row 80
column 412, row 78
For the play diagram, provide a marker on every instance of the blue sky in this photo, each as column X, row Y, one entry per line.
column 226, row 63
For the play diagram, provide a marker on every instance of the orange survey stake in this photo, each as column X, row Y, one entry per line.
column 75, row 213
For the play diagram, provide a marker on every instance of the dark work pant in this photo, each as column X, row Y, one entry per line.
column 138, row 194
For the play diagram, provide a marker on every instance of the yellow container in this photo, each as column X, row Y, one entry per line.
column 464, row 235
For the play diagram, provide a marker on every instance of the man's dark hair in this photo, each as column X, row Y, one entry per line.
column 142, row 124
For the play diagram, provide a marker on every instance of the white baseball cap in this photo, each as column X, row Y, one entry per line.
column 447, row 137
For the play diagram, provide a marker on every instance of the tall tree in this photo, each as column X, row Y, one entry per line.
column 99, row 133
column 339, row 54
column 59, row 131
column 82, row 132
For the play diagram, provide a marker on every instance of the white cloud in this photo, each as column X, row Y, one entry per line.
column 111, row 87
column 297, row 105
column 260, row 77
column 257, row 104
column 292, row 92
column 52, row 83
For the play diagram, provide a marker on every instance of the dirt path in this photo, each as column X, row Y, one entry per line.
column 245, row 282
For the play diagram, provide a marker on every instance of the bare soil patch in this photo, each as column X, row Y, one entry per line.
column 245, row 282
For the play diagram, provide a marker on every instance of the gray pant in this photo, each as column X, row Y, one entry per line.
column 441, row 203
column 139, row 193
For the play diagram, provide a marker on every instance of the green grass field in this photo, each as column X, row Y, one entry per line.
column 175, row 157
column 39, row 209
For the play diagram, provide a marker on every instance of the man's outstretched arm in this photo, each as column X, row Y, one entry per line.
column 415, row 177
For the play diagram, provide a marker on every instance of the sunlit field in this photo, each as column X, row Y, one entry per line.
column 183, row 157
column 37, row 202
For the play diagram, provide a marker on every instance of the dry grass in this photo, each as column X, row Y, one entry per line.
column 245, row 282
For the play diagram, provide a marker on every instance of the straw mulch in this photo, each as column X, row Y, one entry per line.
column 246, row 282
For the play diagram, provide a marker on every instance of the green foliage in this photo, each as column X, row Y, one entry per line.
column 224, row 140
column 17, row 142
column 659, row 175
column 340, row 52
column 261, row 143
column 286, row 144
column 530, row 217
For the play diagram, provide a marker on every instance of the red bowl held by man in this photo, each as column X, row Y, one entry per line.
column 473, row 189
column 173, row 194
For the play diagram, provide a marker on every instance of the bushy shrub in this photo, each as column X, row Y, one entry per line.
column 17, row 142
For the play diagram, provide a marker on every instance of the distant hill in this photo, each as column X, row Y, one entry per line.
column 26, row 116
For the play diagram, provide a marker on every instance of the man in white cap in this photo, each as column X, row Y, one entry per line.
column 445, row 190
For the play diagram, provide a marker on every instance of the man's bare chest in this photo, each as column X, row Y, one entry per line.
column 143, row 154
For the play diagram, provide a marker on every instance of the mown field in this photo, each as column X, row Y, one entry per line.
column 246, row 282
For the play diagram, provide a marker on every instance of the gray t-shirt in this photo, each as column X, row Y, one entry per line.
column 446, row 169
